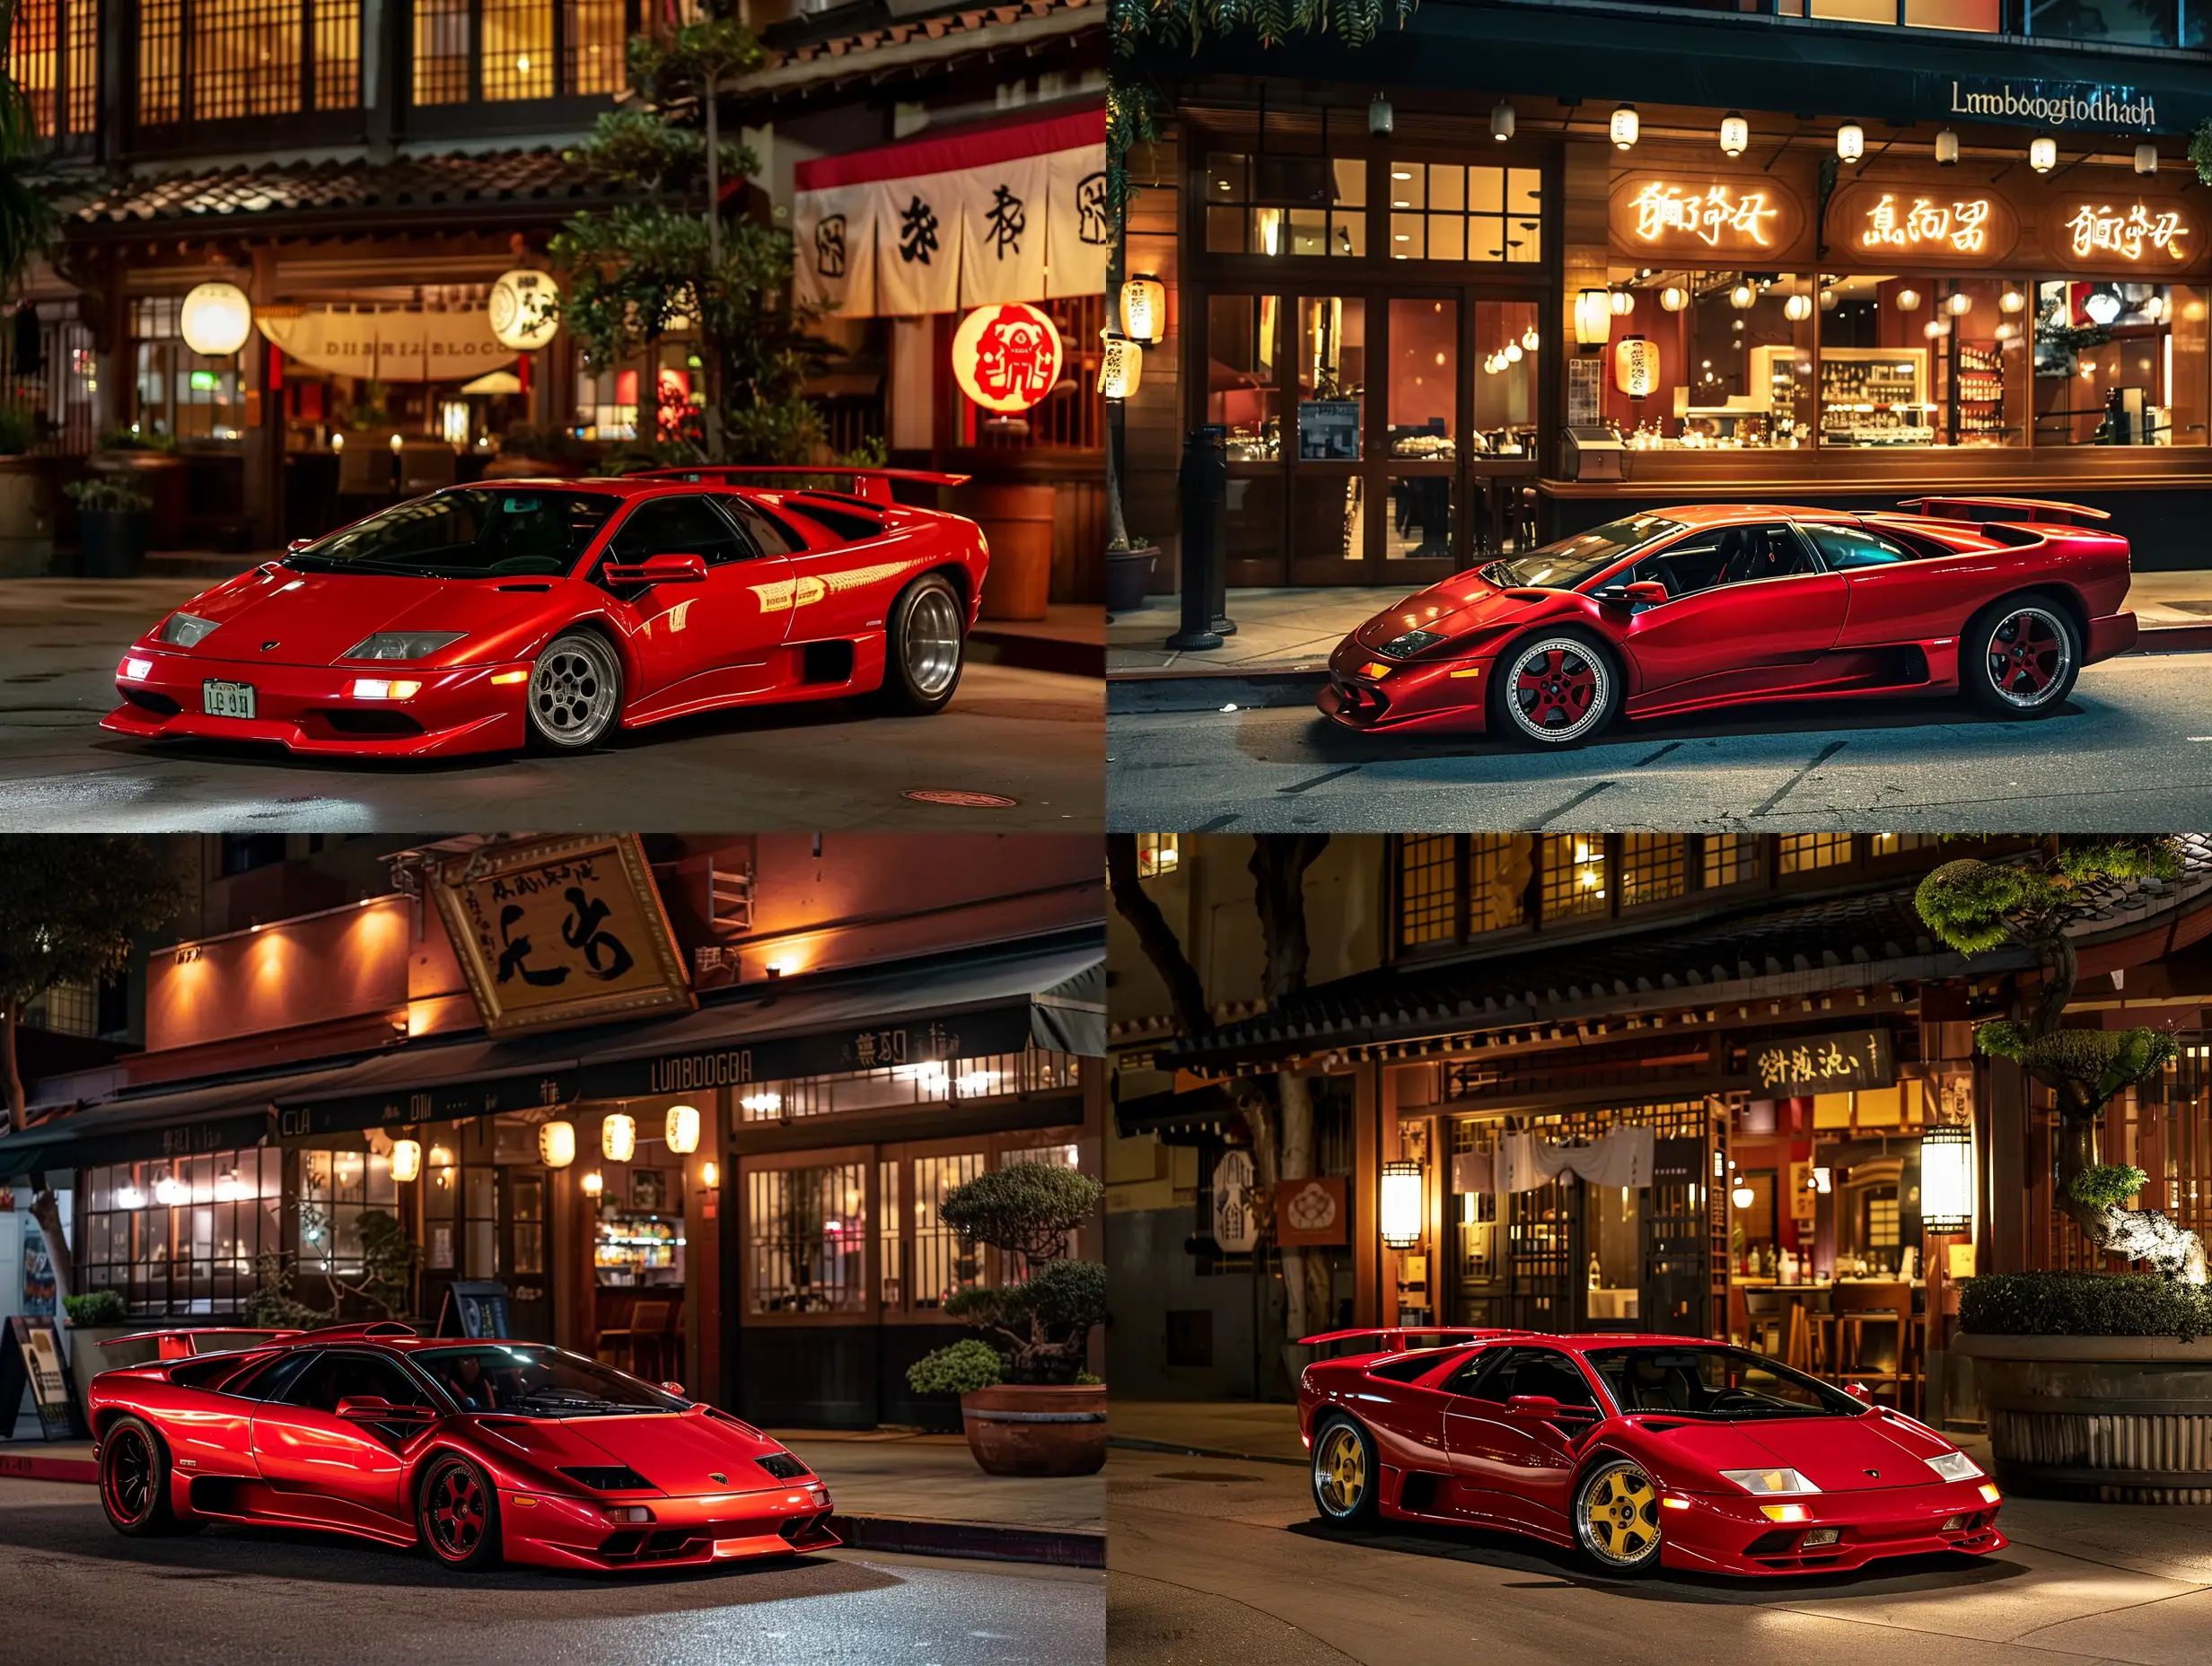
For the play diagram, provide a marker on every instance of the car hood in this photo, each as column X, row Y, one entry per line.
column 282, row 616
column 1843, row 1454
column 1459, row 606
column 680, row 1455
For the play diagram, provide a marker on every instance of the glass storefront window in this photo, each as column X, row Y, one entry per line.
column 1424, row 380
column 1734, row 367
column 184, row 1236
column 2120, row 363
column 944, row 1264
column 1332, row 378
column 1447, row 211
column 1574, row 874
column 1911, row 360
column 806, row 1238
column 1509, row 347
column 1420, row 523
column 1273, row 204
column 1241, row 394
column 337, row 1189
column 936, row 1082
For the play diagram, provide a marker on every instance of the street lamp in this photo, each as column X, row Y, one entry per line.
column 1401, row 1204
column 1947, row 1179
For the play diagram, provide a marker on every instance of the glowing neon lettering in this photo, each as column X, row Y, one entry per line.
column 1964, row 226
column 2099, row 229
column 1661, row 208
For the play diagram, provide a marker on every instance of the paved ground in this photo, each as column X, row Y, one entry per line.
column 2134, row 744
column 934, row 1476
column 1030, row 735
column 1215, row 1562
column 74, row 1589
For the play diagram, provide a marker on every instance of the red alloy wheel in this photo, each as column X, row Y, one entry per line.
column 456, row 1513
column 2028, row 654
column 1555, row 688
column 128, row 1477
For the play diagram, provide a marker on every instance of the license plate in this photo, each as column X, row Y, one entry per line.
column 226, row 699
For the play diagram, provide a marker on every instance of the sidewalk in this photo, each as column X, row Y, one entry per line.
column 1288, row 635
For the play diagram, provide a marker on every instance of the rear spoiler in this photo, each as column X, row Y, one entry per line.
column 185, row 1344
column 1396, row 1338
column 872, row 484
column 2030, row 510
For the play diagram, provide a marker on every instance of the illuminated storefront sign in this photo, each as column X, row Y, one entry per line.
column 1824, row 1063
column 1693, row 213
column 2132, row 232
column 1707, row 216
column 1962, row 226
column 1928, row 224
column 1006, row 357
column 2049, row 104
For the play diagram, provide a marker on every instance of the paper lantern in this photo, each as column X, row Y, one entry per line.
column 1674, row 297
column 525, row 310
column 1401, row 1204
column 1736, row 133
column 1908, row 300
column 1502, row 122
column 1797, row 309
column 595, row 1183
column 1623, row 128
column 618, row 1137
column 1006, row 357
column 683, row 1130
column 1961, row 303
column 1741, row 1197
column 406, row 1159
column 2147, row 158
column 1593, row 317
column 1947, row 1179
column 2043, row 154
column 1121, row 368
column 1946, row 148
column 1636, row 367
column 1622, row 301
column 1851, row 141
column 1741, row 297
column 1528, row 340
column 2011, row 300
column 215, row 320
column 556, row 1144
column 1935, row 330
column 1143, row 309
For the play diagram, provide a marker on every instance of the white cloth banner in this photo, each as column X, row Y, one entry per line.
column 1624, row 1157
column 1076, row 253
column 390, row 347
column 833, row 261
column 1001, row 244
column 918, row 239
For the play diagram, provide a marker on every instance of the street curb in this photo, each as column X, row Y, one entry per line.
column 972, row 1540
column 1212, row 692
column 1174, row 1450
column 2174, row 639
column 1023, row 651
column 30, row 1466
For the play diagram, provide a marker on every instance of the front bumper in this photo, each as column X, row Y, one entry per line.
column 1732, row 1535
column 311, row 709
column 548, row 1531
column 1366, row 691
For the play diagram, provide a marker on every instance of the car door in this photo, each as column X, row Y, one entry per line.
column 852, row 567
column 334, row 1469
column 1519, row 1467
column 1769, row 606
column 700, row 643
column 1895, row 593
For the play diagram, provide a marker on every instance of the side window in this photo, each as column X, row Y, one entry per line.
column 1542, row 1371
column 677, row 526
column 281, row 1381
column 1685, row 567
column 1494, row 1374
column 1470, row 1371
column 771, row 535
column 370, row 1375
column 1847, row 547
column 1751, row 553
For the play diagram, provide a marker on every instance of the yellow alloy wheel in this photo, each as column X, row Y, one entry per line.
column 1340, row 1469
column 1620, row 1516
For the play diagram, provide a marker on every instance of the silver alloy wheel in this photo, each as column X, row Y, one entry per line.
column 1557, row 688
column 574, row 691
column 932, row 645
column 2029, row 654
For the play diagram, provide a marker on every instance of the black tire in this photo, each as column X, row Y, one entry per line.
column 2020, row 657
column 1555, row 687
column 925, row 647
column 1345, row 1475
column 574, row 698
column 457, row 1514
column 1616, row 1516
column 135, row 1481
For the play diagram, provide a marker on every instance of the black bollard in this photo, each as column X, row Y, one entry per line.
column 1202, row 488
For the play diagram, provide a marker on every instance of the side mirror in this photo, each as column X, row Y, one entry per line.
column 672, row 1388
column 659, row 570
column 1646, row 593
column 1533, row 1406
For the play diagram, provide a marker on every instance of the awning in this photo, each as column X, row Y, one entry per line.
column 1012, row 209
column 159, row 1123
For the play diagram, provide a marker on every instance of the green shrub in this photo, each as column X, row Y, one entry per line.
column 107, row 494
column 96, row 1307
column 129, row 438
column 2107, row 1186
column 962, row 1368
column 19, row 429
column 2084, row 1304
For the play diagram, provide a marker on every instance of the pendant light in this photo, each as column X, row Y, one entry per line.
column 1622, row 301
column 2043, row 154
column 1851, row 141
column 1501, row 121
column 1741, row 297
column 1623, row 128
column 1735, row 134
column 2147, row 158
column 1946, row 149
column 1908, row 300
column 683, row 1129
column 1797, row 309
column 1673, row 298
column 618, row 1137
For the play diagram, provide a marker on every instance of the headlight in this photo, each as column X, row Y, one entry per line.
column 181, row 630
column 1406, row 646
column 1955, row 1467
column 401, row 644
column 1769, row 1480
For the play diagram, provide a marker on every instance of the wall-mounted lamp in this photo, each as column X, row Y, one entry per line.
column 1401, row 1204
column 1947, row 1179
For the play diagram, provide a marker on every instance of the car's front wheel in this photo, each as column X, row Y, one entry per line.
column 2020, row 657
column 458, row 1514
column 1554, row 688
column 1346, row 1475
column 924, row 644
column 1616, row 1517
column 133, row 1481
column 575, row 692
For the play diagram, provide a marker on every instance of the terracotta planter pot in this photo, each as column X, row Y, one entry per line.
column 1016, row 1429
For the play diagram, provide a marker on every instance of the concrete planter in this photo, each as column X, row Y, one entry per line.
column 1025, row 1429
column 2108, row 1419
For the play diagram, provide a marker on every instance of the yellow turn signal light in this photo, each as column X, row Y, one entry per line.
column 1674, row 1503
column 1374, row 669
column 500, row 679
column 1785, row 1513
column 1989, row 1494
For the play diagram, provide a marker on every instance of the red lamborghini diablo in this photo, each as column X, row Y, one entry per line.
column 482, row 1451
column 1684, row 609
column 551, row 612
column 1640, row 1452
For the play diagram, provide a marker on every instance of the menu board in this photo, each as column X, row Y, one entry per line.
column 1328, row 430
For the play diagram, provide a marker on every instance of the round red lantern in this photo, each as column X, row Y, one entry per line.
column 1006, row 357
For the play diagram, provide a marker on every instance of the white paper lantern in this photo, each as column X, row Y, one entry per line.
column 1851, row 141
column 2147, row 158
column 1623, row 128
column 525, row 310
column 2043, row 154
column 1947, row 1179
column 1946, row 148
column 618, row 1137
column 1741, row 297
column 407, row 1160
column 215, row 320
column 1797, row 309
column 1143, row 309
column 1908, row 300
column 1121, row 368
column 1622, row 301
column 1673, row 297
column 1636, row 367
column 683, row 1130
column 556, row 1144
column 1736, row 133
column 1401, row 1204
column 1593, row 317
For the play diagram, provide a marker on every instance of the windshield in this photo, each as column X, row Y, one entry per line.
column 471, row 533
column 1717, row 1382
column 1566, row 562
column 536, row 1380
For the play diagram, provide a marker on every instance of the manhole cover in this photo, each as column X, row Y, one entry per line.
column 959, row 801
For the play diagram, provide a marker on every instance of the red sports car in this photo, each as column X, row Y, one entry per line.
column 1639, row 1452
column 483, row 1450
column 551, row 612
column 1683, row 609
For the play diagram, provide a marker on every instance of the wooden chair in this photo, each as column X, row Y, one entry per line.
column 1886, row 1307
column 614, row 1334
column 647, row 1320
column 1765, row 1320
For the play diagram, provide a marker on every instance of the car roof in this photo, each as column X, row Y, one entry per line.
column 1700, row 515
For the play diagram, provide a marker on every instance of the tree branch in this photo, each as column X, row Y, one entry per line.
column 1155, row 937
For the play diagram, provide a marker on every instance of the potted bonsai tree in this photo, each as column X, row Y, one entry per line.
column 1027, row 1404
column 111, row 521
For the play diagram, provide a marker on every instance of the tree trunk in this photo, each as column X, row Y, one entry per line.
column 1116, row 529
column 1155, row 937
column 9, row 1012
column 709, row 363
column 46, row 1209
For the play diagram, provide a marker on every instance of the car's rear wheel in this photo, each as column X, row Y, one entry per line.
column 133, row 1481
column 925, row 645
column 2020, row 657
column 1616, row 1517
column 575, row 692
column 1555, row 688
column 458, row 1514
column 1346, row 1476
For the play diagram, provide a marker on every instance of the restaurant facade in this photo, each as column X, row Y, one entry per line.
column 1513, row 270
column 1688, row 1085
column 687, row 1104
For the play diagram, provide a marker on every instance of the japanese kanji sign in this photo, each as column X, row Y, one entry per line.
column 561, row 931
column 2108, row 234
column 1933, row 223
column 1692, row 215
column 1003, row 231
column 1843, row 1061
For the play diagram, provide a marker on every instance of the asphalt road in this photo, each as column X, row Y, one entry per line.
column 2133, row 746
column 1219, row 1563
column 73, row 1590
column 1033, row 737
